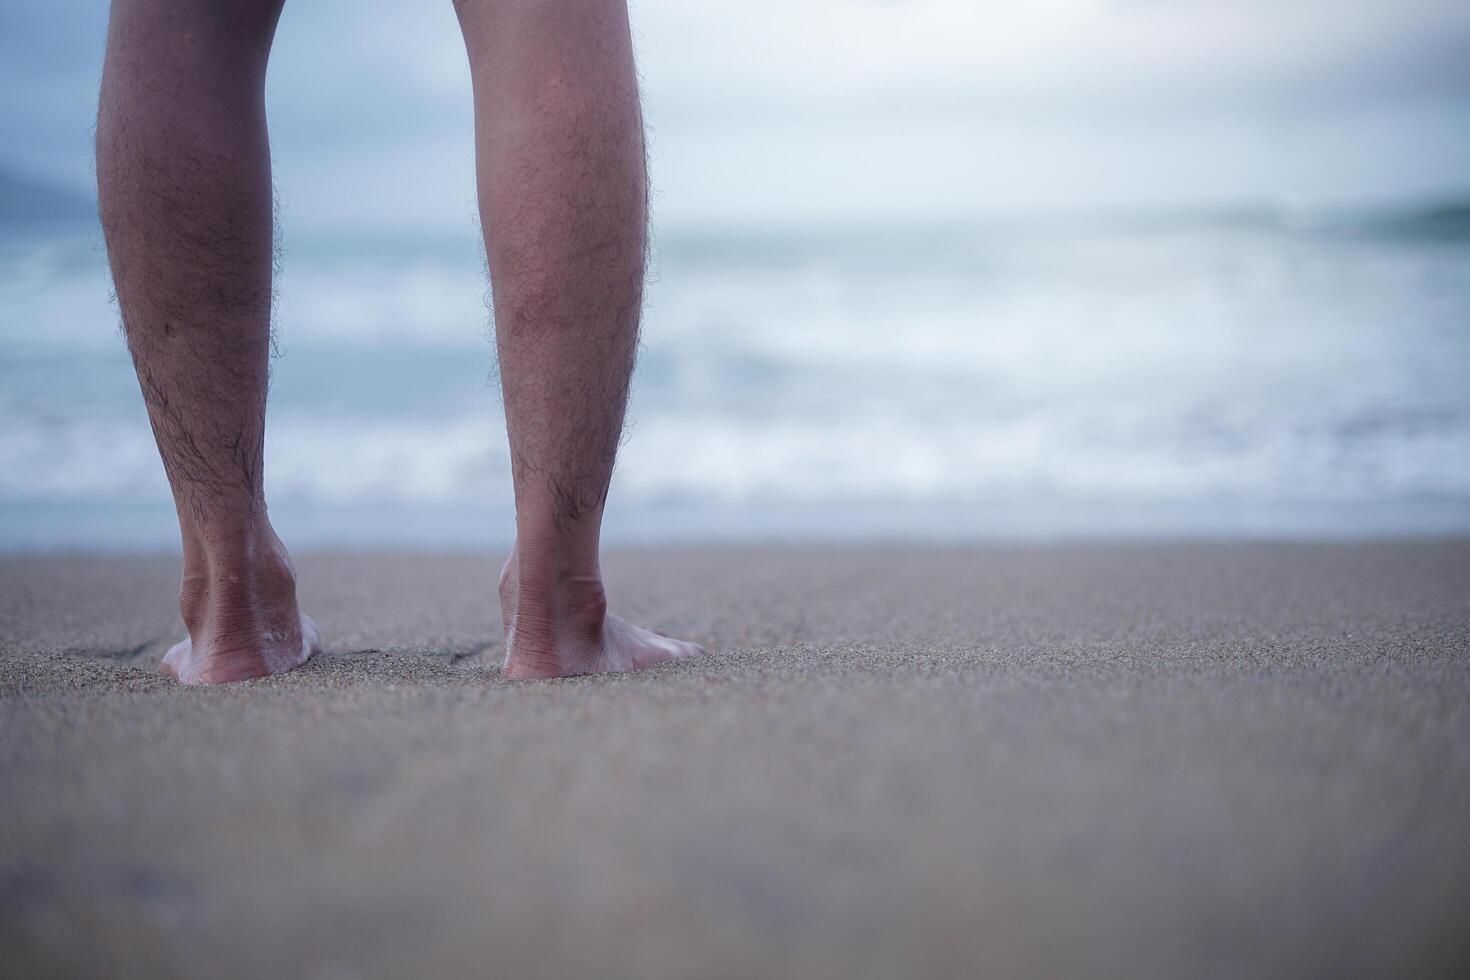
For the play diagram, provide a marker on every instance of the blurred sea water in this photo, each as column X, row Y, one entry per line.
column 1224, row 374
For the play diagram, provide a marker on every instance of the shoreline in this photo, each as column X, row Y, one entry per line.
column 34, row 528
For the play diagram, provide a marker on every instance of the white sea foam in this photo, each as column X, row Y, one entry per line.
column 1206, row 367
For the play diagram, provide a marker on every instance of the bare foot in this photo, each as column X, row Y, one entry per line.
column 561, row 628
column 242, row 624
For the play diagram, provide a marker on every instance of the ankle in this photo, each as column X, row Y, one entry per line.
column 555, row 615
column 562, row 600
column 230, row 578
column 556, row 561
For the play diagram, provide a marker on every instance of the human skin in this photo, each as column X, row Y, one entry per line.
column 563, row 191
column 183, row 165
column 183, row 173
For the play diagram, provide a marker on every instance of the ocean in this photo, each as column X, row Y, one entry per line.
column 1248, row 373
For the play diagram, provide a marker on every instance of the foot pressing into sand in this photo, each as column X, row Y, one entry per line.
column 242, row 620
column 558, row 626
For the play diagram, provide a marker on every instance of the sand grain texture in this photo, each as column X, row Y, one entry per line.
column 1126, row 760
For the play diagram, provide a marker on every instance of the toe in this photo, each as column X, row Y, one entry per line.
column 685, row 647
column 311, row 638
column 174, row 659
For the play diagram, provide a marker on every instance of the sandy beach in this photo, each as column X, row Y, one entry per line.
column 1117, row 759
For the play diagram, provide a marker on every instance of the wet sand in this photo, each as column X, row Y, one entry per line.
column 1127, row 760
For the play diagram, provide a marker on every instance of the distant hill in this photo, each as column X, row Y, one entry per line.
column 1449, row 220
column 25, row 201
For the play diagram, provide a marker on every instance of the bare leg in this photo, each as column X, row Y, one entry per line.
column 563, row 201
column 183, row 169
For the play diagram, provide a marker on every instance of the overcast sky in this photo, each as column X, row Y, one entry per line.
column 774, row 110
